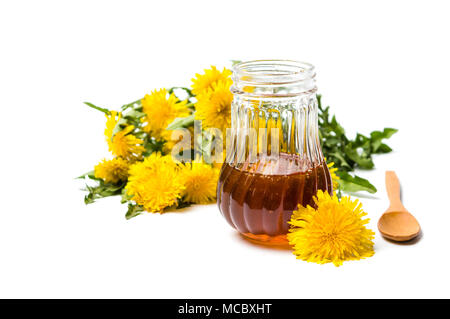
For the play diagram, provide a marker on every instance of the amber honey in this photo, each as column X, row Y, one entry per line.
column 258, row 200
column 274, row 111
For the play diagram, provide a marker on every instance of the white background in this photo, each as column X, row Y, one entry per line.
column 379, row 64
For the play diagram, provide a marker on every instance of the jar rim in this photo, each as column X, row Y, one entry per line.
column 276, row 68
column 273, row 78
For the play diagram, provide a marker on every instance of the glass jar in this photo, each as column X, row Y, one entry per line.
column 274, row 160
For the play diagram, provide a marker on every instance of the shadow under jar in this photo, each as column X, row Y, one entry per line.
column 274, row 160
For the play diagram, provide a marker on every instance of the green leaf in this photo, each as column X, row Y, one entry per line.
column 182, row 122
column 332, row 142
column 134, row 115
column 125, row 196
column 133, row 211
column 352, row 184
column 362, row 142
column 339, row 159
column 376, row 138
column 102, row 190
column 98, row 108
column 132, row 105
column 350, row 154
column 90, row 174
column 383, row 148
column 360, row 159
column 336, row 127
column 151, row 145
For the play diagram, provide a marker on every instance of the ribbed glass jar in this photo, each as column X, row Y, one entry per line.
column 274, row 160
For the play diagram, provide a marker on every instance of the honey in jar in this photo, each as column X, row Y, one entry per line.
column 274, row 159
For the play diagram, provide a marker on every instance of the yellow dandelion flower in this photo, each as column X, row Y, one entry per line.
column 334, row 177
column 214, row 107
column 200, row 180
column 112, row 171
column 161, row 109
column 155, row 183
column 125, row 144
column 203, row 82
column 334, row 232
column 217, row 165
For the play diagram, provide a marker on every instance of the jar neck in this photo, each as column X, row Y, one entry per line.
column 273, row 78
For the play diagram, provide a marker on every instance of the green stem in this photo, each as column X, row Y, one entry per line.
column 98, row 108
column 124, row 107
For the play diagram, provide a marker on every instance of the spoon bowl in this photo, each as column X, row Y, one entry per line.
column 397, row 223
column 398, row 226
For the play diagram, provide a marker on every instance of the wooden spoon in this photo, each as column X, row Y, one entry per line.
column 397, row 223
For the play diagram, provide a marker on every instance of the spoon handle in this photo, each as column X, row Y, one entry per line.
column 393, row 191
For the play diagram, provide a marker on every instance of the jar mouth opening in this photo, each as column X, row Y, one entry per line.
column 272, row 78
column 274, row 71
